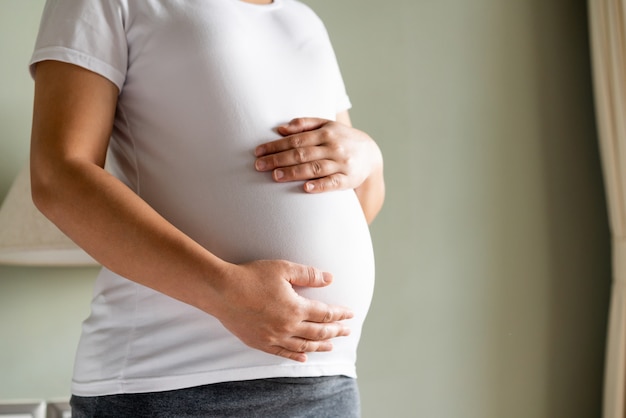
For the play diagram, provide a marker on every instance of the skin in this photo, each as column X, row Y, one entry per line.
column 327, row 155
column 73, row 117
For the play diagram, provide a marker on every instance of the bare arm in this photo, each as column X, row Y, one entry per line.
column 371, row 192
column 328, row 156
column 73, row 115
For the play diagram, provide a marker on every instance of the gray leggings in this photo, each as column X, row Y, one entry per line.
column 314, row 397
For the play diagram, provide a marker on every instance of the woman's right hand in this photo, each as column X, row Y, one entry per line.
column 261, row 308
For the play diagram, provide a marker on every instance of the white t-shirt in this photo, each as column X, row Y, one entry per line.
column 202, row 83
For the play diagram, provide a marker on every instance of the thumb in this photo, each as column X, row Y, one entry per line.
column 307, row 276
column 299, row 125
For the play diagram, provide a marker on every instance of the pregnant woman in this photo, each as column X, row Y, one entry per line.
column 232, row 220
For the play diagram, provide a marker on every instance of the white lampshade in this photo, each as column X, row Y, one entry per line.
column 29, row 238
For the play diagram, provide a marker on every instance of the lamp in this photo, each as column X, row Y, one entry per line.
column 29, row 238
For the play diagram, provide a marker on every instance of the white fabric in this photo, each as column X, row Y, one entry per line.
column 608, row 41
column 202, row 82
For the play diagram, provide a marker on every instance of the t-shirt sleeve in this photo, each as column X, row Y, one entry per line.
column 86, row 33
column 342, row 98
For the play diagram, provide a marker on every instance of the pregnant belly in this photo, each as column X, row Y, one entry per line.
column 238, row 221
column 255, row 219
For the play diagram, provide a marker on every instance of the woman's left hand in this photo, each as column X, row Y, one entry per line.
column 326, row 155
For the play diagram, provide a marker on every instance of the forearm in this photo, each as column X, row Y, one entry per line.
column 72, row 122
column 371, row 193
column 123, row 232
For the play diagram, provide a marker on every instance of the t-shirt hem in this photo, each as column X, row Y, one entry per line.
column 162, row 384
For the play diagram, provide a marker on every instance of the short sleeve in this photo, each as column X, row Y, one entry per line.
column 86, row 33
column 342, row 99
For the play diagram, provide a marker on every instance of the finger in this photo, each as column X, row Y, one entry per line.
column 302, row 345
column 292, row 355
column 298, row 140
column 291, row 156
column 296, row 348
column 297, row 133
column 325, row 331
column 319, row 312
column 308, row 276
column 325, row 184
column 313, row 170
column 298, row 125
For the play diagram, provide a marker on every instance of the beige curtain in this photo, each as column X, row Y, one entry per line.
column 608, row 50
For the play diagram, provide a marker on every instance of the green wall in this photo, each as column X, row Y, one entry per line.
column 40, row 308
column 493, row 254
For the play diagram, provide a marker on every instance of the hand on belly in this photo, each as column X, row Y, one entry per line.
column 263, row 310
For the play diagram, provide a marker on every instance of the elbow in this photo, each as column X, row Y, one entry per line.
column 51, row 182
column 375, row 207
column 371, row 195
column 58, row 186
column 42, row 189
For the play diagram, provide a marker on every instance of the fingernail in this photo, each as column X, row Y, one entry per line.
column 309, row 187
column 327, row 277
column 259, row 151
column 279, row 174
column 260, row 165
